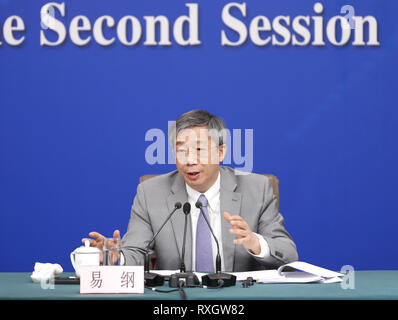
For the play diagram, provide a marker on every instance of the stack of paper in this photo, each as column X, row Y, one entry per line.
column 307, row 273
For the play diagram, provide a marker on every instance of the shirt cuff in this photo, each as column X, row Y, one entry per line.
column 264, row 252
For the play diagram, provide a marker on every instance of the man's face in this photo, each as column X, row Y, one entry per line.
column 198, row 158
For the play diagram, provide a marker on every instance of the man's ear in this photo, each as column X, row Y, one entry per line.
column 222, row 151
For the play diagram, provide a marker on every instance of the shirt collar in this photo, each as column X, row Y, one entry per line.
column 212, row 195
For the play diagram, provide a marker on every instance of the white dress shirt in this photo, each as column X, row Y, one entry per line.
column 213, row 197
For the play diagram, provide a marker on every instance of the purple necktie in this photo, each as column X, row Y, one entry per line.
column 204, row 252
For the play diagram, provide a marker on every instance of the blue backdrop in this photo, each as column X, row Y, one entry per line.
column 73, row 122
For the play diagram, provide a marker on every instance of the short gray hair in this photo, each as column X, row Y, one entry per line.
column 199, row 118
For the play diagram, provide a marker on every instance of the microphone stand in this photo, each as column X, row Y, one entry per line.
column 183, row 278
column 182, row 265
column 217, row 279
column 153, row 279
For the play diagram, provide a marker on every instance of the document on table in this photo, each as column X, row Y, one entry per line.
column 307, row 273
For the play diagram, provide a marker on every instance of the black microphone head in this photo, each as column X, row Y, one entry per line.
column 177, row 205
column 198, row 204
column 187, row 208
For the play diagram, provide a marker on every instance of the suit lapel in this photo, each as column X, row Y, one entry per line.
column 179, row 194
column 230, row 201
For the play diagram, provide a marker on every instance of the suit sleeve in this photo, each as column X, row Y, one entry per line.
column 139, row 231
column 282, row 248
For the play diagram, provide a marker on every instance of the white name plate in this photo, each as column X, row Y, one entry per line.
column 112, row 279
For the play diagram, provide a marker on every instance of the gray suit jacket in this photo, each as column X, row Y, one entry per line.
column 250, row 196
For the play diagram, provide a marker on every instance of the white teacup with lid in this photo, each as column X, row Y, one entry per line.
column 85, row 256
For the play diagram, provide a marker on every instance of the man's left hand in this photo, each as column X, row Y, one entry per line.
column 245, row 236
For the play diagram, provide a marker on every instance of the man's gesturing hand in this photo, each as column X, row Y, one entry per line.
column 244, row 235
column 98, row 242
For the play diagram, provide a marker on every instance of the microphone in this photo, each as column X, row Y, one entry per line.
column 154, row 279
column 183, row 278
column 186, row 209
column 217, row 279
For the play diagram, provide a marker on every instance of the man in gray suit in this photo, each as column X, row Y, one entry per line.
column 241, row 208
